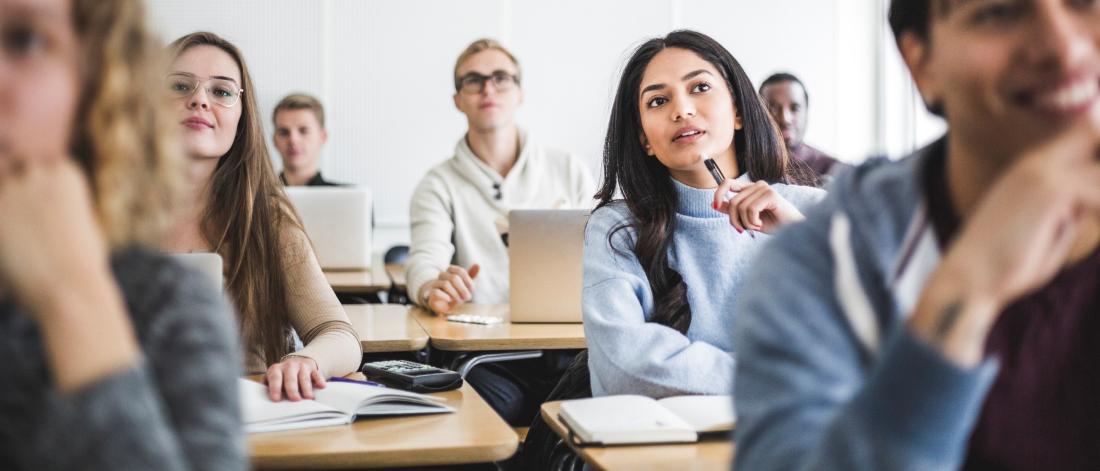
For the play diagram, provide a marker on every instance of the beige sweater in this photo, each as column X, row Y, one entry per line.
column 315, row 313
column 454, row 214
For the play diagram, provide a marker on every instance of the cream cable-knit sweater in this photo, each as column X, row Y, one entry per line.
column 454, row 214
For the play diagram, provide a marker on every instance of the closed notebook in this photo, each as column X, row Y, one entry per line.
column 621, row 420
column 338, row 403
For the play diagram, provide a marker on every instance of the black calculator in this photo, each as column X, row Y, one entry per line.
column 412, row 376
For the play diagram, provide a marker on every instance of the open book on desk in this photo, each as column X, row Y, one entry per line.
column 338, row 403
column 622, row 420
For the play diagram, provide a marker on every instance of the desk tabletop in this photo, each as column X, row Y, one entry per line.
column 396, row 272
column 386, row 328
column 373, row 280
column 456, row 336
column 710, row 454
column 472, row 434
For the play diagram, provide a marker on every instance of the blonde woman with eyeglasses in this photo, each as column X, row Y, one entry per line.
column 238, row 209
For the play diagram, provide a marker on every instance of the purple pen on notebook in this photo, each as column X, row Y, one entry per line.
column 364, row 382
column 719, row 178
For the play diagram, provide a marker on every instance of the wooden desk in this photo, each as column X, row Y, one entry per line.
column 370, row 281
column 386, row 328
column 456, row 336
column 396, row 272
column 711, row 454
column 472, row 434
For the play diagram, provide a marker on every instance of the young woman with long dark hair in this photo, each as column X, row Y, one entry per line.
column 662, row 265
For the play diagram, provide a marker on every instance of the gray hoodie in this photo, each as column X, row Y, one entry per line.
column 827, row 376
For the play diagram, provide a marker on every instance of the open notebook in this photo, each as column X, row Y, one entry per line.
column 338, row 403
column 621, row 420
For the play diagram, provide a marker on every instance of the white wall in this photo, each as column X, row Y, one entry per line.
column 384, row 69
column 907, row 124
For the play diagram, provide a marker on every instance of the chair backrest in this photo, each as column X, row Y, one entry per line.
column 396, row 254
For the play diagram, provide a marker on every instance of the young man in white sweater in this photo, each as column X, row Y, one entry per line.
column 458, row 210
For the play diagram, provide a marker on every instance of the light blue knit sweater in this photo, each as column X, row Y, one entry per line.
column 628, row 355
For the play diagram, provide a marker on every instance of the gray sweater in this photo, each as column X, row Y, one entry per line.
column 629, row 355
column 176, row 410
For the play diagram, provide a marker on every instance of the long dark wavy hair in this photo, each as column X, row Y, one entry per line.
column 645, row 183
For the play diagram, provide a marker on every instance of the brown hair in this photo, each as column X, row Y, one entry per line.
column 484, row 44
column 910, row 16
column 301, row 101
column 125, row 136
column 246, row 217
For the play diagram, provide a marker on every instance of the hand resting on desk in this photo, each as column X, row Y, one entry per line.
column 454, row 286
column 297, row 376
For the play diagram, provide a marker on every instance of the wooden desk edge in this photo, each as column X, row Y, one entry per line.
column 421, row 315
column 390, row 346
column 480, row 345
column 356, row 289
column 377, row 284
column 391, row 459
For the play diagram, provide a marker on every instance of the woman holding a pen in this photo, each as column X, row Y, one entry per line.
column 662, row 265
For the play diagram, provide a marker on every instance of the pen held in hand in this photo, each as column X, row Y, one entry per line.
column 719, row 178
column 715, row 172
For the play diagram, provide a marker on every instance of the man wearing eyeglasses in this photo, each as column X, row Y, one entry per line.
column 459, row 211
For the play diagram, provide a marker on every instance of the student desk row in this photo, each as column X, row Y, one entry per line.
column 474, row 433
column 460, row 337
column 401, row 328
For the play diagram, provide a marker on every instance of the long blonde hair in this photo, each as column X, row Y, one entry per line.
column 125, row 135
column 246, row 218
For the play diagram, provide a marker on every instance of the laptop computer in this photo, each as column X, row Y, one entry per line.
column 209, row 263
column 544, row 251
column 337, row 221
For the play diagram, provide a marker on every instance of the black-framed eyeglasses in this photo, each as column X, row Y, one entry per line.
column 474, row 82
